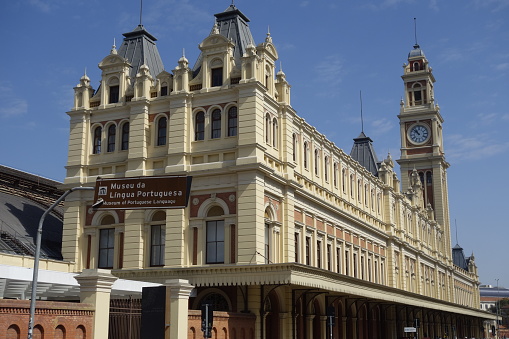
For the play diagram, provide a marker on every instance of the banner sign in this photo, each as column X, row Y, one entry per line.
column 142, row 192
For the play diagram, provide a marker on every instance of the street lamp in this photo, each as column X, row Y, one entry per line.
column 38, row 254
column 497, row 303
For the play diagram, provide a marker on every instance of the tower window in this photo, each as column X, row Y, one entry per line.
column 112, row 132
column 97, row 140
column 161, row 131
column 199, row 126
column 216, row 124
column 217, row 77
column 232, row 121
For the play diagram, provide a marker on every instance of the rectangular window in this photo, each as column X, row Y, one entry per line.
column 297, row 246
column 164, row 91
column 362, row 268
column 267, row 244
column 215, row 242
column 106, row 247
column 347, row 262
column 319, row 254
column 157, row 240
column 114, row 94
column 217, row 77
column 329, row 257
column 355, row 265
column 338, row 259
column 308, row 251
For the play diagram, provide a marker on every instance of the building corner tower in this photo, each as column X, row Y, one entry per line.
column 422, row 147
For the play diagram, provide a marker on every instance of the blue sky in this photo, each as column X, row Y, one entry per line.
column 329, row 50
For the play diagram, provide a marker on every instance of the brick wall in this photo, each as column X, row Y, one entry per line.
column 226, row 325
column 53, row 319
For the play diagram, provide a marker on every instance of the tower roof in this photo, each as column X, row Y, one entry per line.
column 458, row 257
column 232, row 24
column 416, row 52
column 364, row 153
column 139, row 48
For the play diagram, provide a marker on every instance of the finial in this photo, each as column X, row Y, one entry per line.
column 215, row 28
column 113, row 48
column 268, row 38
column 85, row 72
column 362, row 118
column 183, row 52
column 281, row 66
column 141, row 10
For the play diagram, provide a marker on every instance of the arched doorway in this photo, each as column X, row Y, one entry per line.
column 272, row 310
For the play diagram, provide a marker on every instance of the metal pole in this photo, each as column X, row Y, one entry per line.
column 38, row 254
column 497, row 303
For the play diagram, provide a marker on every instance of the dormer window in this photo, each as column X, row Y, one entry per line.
column 114, row 90
column 217, row 77
column 164, row 89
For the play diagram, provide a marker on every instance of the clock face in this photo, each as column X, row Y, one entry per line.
column 419, row 134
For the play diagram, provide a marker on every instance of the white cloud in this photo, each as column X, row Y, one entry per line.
column 502, row 67
column 381, row 126
column 475, row 147
column 329, row 72
column 12, row 104
column 494, row 5
column 181, row 15
column 304, row 3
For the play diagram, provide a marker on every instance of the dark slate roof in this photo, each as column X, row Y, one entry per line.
column 139, row 48
column 416, row 52
column 23, row 199
column 232, row 24
column 364, row 152
column 458, row 257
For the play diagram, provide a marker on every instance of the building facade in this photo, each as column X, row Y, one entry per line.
column 281, row 223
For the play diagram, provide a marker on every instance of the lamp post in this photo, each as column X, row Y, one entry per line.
column 497, row 304
column 38, row 254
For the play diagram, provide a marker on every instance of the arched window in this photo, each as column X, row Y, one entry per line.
column 366, row 194
column 352, row 184
column 59, row 332
column 97, row 140
column 112, row 134
column 294, row 144
column 218, row 302
column 417, row 94
column 232, row 121
column 267, row 128
column 106, row 247
column 275, row 132
column 343, row 178
column 216, row 124
column 161, row 131
column 326, row 168
column 317, row 165
column 215, row 237
column 157, row 239
column 199, row 126
column 335, row 174
column 125, row 137
column 416, row 66
column 359, row 190
column 306, row 154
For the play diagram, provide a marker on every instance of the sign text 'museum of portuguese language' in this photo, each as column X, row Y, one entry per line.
column 143, row 192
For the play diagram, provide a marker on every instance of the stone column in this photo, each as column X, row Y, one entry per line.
column 95, row 289
column 180, row 289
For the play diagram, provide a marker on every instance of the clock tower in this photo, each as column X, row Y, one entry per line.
column 421, row 137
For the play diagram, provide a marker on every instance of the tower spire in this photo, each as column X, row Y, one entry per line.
column 141, row 11
column 415, row 32
column 362, row 118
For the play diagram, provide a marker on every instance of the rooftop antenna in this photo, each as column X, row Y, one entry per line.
column 456, row 225
column 415, row 31
column 141, row 11
column 362, row 118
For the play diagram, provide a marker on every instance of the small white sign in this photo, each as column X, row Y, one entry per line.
column 410, row 330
